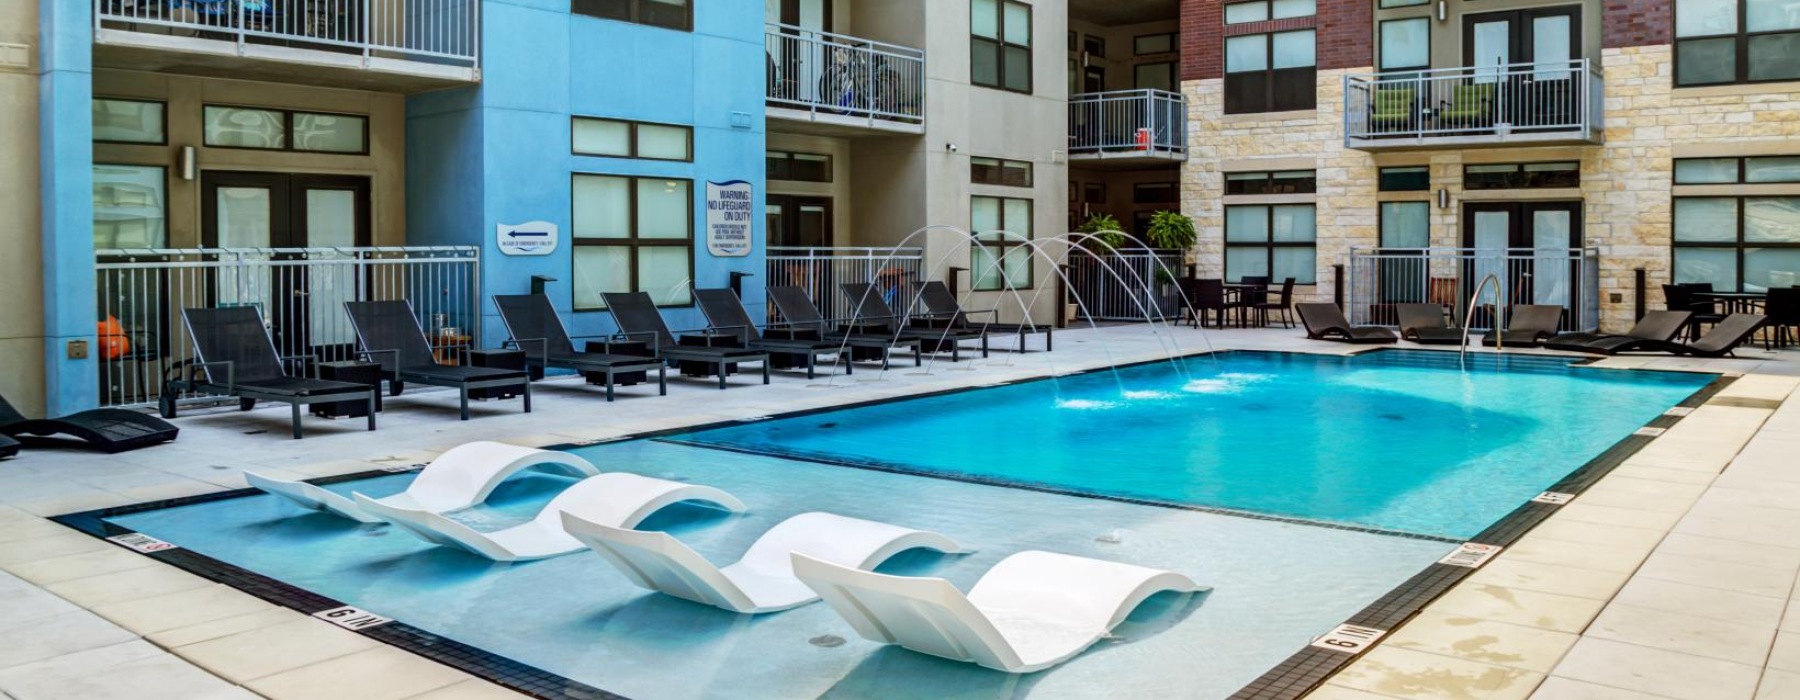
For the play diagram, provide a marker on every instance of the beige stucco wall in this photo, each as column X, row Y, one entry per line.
column 21, row 256
column 843, row 199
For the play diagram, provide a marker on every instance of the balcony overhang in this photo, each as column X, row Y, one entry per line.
column 1560, row 103
column 219, row 58
column 792, row 120
column 1123, row 159
column 1487, row 139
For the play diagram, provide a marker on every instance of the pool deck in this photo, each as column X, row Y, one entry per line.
column 1670, row 578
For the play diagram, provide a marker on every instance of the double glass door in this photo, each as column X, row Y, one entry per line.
column 1540, row 45
column 1532, row 248
column 795, row 221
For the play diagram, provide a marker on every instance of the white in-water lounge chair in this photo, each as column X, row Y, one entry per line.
column 617, row 499
column 1031, row 611
column 763, row 580
column 457, row 479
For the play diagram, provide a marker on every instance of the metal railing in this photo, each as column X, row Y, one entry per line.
column 1128, row 123
column 820, row 270
column 1381, row 278
column 835, row 74
column 1514, row 101
column 300, row 291
column 437, row 31
column 1126, row 285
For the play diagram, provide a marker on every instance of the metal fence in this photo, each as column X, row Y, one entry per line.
column 444, row 31
column 822, row 72
column 820, row 270
column 1554, row 98
column 1126, row 285
column 1379, row 279
column 300, row 291
column 1128, row 122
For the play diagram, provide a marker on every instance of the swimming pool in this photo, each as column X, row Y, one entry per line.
column 1281, row 437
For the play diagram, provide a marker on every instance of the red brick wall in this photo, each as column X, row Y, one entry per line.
column 1345, row 35
column 1635, row 23
column 1202, row 43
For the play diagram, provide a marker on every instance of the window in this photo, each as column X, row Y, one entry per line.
column 284, row 130
column 623, row 139
column 1093, row 193
column 668, row 14
column 1094, row 45
column 1390, row 4
column 1000, row 44
column 1744, row 244
column 1405, row 225
column 997, row 171
column 129, row 206
column 1278, row 182
column 1269, row 72
column 129, row 121
column 1406, row 44
column 1002, row 260
column 798, row 167
column 1732, row 171
column 1153, row 193
column 1736, row 41
column 1276, row 241
column 1412, row 178
column 1514, row 176
column 632, row 234
column 1153, row 76
column 1264, row 10
column 1150, row 44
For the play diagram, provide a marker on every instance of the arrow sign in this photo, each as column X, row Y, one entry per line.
column 529, row 238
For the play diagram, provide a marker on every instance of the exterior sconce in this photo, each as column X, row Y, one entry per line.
column 1443, row 197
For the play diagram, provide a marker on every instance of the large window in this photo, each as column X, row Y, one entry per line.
column 1270, row 72
column 1736, row 41
column 130, row 206
column 623, row 139
column 1738, row 243
column 129, row 121
column 669, row 14
column 1405, row 225
column 284, row 130
column 1406, row 44
column 998, row 171
column 632, row 234
column 988, row 217
column 1276, row 241
column 1000, row 44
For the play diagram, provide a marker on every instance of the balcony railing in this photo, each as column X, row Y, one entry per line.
column 842, row 76
column 435, row 31
column 1379, row 279
column 1128, row 123
column 1519, row 102
column 820, row 270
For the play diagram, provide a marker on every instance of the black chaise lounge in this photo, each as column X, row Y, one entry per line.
column 638, row 319
column 873, row 315
column 1327, row 322
column 941, row 307
column 390, row 335
column 236, row 358
column 533, row 327
column 1425, row 324
column 798, row 312
column 726, row 314
column 1527, row 325
column 1718, row 341
column 109, row 430
column 1660, row 326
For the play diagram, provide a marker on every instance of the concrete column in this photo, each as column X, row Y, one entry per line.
column 65, row 168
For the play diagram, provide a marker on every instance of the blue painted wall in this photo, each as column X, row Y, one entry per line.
column 499, row 152
column 66, row 169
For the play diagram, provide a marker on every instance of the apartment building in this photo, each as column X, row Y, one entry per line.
column 1582, row 153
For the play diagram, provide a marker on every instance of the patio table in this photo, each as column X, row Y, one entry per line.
column 1736, row 302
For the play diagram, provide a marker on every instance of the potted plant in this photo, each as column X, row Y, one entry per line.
column 1106, row 230
column 1171, row 230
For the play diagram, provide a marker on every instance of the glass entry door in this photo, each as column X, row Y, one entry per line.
column 796, row 221
column 1531, row 247
column 1542, row 43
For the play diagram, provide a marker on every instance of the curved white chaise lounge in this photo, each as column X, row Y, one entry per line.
column 763, row 580
column 617, row 499
column 1033, row 610
column 457, row 479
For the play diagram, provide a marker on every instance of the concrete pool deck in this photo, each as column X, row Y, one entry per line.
column 1678, row 565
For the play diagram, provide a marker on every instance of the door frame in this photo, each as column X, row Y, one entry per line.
column 1518, row 39
column 790, row 209
column 1519, row 237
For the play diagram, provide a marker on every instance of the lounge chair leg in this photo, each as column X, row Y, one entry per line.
column 527, row 387
column 296, row 408
column 811, row 361
column 662, row 380
column 609, row 386
column 918, row 355
column 465, row 402
column 984, row 344
column 372, row 409
column 721, row 367
column 765, row 364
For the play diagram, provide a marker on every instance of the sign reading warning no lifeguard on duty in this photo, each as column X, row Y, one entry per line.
column 729, row 210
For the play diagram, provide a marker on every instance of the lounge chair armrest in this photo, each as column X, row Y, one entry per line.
column 543, row 345
column 308, row 356
column 368, row 355
column 654, row 338
column 230, row 373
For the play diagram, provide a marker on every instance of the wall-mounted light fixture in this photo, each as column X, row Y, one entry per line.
column 951, row 147
column 1443, row 198
column 190, row 164
column 1443, row 10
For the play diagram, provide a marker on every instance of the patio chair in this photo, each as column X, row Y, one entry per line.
column 1033, row 610
column 873, row 313
column 1426, row 324
column 1394, row 109
column 1655, row 325
column 1203, row 296
column 234, row 342
column 1783, row 310
column 1470, row 106
column 390, row 334
column 763, row 580
column 1527, row 325
column 533, row 327
column 1326, row 322
column 459, row 478
column 941, row 305
column 109, row 430
column 726, row 313
column 1724, row 337
column 798, row 312
column 638, row 319
column 1680, row 297
column 1284, row 302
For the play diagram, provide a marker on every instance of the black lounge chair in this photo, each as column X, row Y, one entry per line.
column 873, row 315
column 726, row 313
column 798, row 312
column 233, row 342
column 1719, row 341
column 1425, row 324
column 1527, row 325
column 638, row 319
column 533, row 327
column 941, row 307
column 390, row 335
column 109, row 430
column 1655, row 325
column 1327, row 322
